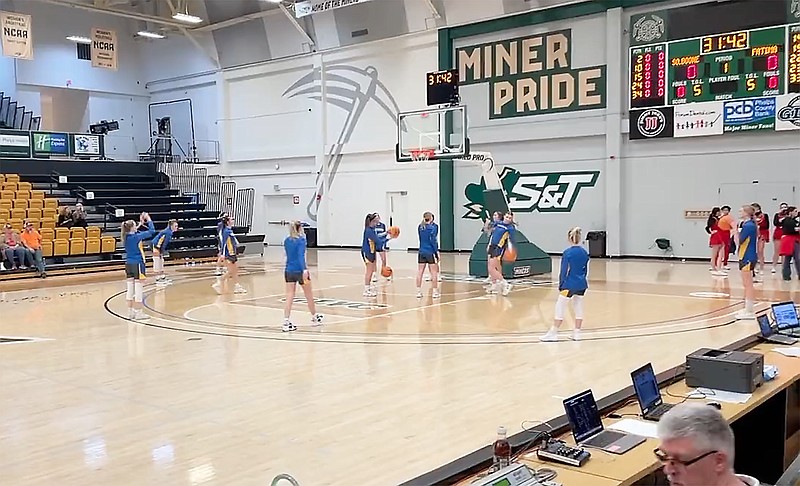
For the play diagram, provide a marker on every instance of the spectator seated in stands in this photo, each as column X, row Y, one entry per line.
column 79, row 217
column 32, row 241
column 697, row 447
column 64, row 217
column 12, row 248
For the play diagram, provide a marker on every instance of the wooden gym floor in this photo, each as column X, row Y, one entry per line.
column 211, row 392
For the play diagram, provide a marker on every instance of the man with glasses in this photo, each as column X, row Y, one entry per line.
column 697, row 448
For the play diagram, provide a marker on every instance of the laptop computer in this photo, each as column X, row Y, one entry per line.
column 648, row 394
column 768, row 334
column 785, row 316
column 587, row 428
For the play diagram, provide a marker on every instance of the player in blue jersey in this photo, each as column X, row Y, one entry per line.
column 135, row 273
column 502, row 236
column 230, row 251
column 219, row 270
column 428, row 255
column 383, row 247
column 370, row 243
column 572, row 285
column 746, row 243
column 296, row 272
column 160, row 247
column 488, row 227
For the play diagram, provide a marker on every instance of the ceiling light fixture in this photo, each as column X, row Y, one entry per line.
column 150, row 35
column 79, row 39
column 185, row 17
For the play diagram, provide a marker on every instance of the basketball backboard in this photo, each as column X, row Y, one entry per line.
column 432, row 134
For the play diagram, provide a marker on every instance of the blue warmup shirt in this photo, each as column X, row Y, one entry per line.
column 383, row 236
column 574, row 265
column 162, row 239
column 295, row 249
column 220, row 227
column 134, row 249
column 229, row 242
column 501, row 233
column 428, row 244
column 370, row 242
column 747, row 242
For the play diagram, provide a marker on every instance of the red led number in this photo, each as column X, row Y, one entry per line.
column 772, row 62
column 680, row 92
column 772, row 82
column 691, row 71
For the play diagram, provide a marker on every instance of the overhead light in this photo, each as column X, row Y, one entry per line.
column 150, row 35
column 79, row 39
column 274, row 1
column 185, row 17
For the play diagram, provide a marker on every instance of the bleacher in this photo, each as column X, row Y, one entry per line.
column 14, row 116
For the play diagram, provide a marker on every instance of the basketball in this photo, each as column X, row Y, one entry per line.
column 394, row 232
column 386, row 271
column 510, row 255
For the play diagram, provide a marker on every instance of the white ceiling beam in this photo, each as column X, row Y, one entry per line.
column 211, row 53
column 235, row 21
column 433, row 9
column 296, row 24
column 118, row 13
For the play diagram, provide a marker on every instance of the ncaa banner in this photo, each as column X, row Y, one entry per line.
column 309, row 7
column 104, row 48
column 17, row 38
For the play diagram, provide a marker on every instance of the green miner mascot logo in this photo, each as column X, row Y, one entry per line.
column 526, row 193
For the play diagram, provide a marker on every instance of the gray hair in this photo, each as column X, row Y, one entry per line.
column 702, row 424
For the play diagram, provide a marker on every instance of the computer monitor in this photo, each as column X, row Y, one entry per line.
column 584, row 418
column 765, row 325
column 646, row 388
column 785, row 315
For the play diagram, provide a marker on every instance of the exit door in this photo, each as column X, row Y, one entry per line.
column 279, row 210
column 397, row 215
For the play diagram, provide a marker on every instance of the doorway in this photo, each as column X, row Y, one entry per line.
column 397, row 215
column 278, row 210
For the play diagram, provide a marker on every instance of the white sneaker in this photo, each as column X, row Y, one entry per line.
column 239, row 289
column 218, row 272
column 720, row 273
column 492, row 289
column 217, row 286
column 370, row 293
column 140, row 316
column 316, row 319
column 727, row 268
column 506, row 288
column 288, row 326
column 427, row 278
column 439, row 278
column 743, row 315
column 161, row 283
column 374, row 277
column 131, row 314
column 773, row 270
column 436, row 294
column 576, row 334
column 551, row 336
column 419, row 294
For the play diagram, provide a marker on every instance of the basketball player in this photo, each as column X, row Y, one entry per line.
column 220, row 256
column 135, row 273
column 428, row 253
column 762, row 221
column 572, row 285
column 436, row 237
column 715, row 240
column 230, row 250
column 726, row 225
column 502, row 235
column 369, row 245
column 748, row 259
column 790, row 246
column 383, row 247
column 160, row 245
column 488, row 227
column 777, row 233
column 296, row 272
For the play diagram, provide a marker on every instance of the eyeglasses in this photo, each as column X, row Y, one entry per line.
column 663, row 457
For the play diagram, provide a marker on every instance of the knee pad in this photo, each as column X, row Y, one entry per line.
column 561, row 307
column 139, row 291
column 158, row 263
column 577, row 306
column 129, row 291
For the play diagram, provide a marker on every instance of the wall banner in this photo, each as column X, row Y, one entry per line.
column 17, row 36
column 104, row 48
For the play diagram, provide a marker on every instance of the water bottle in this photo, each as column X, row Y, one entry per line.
column 501, row 450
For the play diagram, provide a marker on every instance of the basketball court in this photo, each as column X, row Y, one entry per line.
column 210, row 391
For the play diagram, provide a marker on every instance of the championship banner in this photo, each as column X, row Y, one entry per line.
column 17, row 38
column 309, row 7
column 104, row 48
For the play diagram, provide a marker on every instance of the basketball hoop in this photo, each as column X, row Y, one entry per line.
column 421, row 155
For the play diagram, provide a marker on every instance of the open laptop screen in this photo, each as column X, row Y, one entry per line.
column 764, row 325
column 785, row 315
column 646, row 387
column 584, row 418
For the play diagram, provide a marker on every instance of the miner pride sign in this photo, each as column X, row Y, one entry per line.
column 532, row 75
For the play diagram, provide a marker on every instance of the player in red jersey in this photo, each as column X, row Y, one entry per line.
column 715, row 241
column 777, row 234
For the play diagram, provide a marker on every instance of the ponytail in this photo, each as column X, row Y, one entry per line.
column 574, row 235
column 127, row 227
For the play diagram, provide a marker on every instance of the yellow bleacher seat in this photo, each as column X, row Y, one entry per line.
column 93, row 232
column 34, row 214
column 61, row 247
column 12, row 177
column 7, row 194
column 36, row 204
column 23, row 194
column 48, row 234
column 37, row 194
column 62, row 234
column 24, row 186
column 37, row 225
column 5, row 214
column 49, row 213
column 9, row 186
column 18, row 214
column 15, row 223
column 47, row 248
column 6, row 204
column 50, row 203
column 20, row 204
column 92, row 246
column 108, row 244
column 79, row 233
column 49, row 223
column 77, row 246
column 2, row 178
